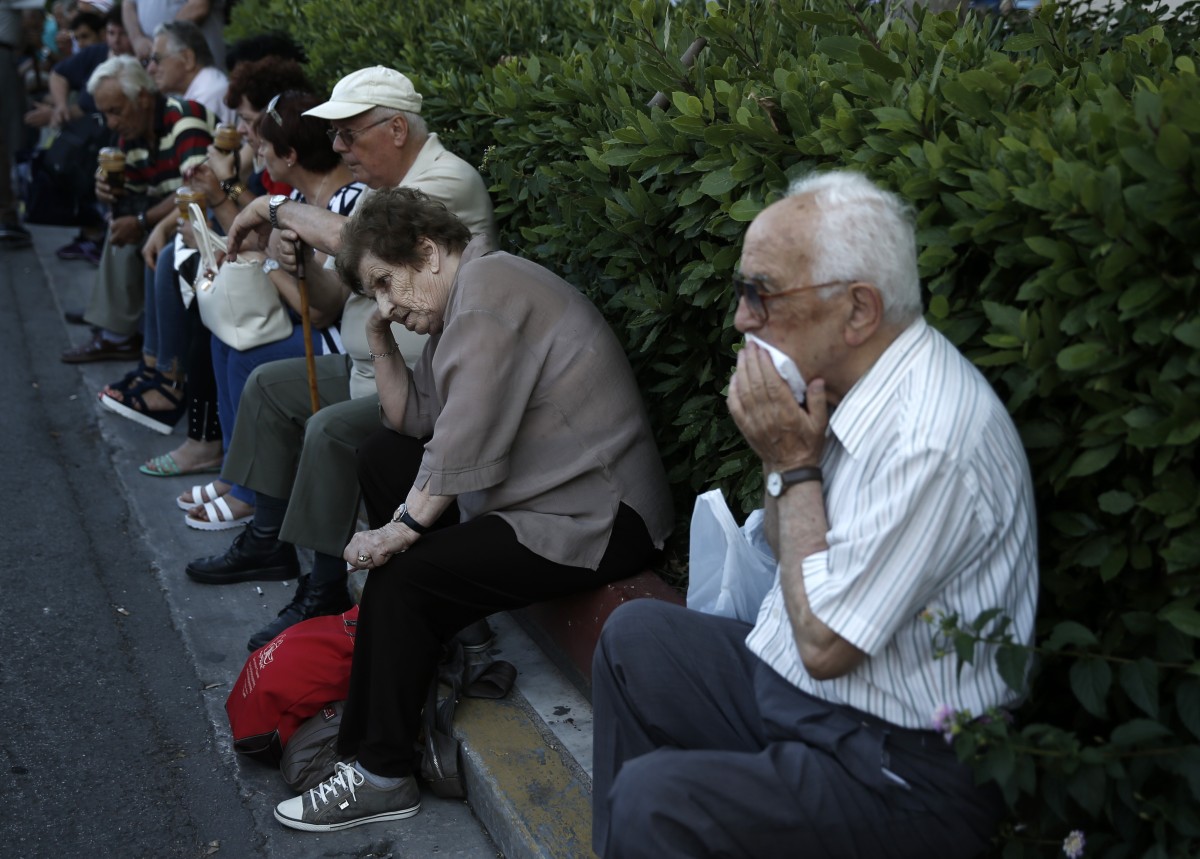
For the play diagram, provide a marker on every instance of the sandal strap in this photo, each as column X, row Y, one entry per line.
column 218, row 510
column 171, row 391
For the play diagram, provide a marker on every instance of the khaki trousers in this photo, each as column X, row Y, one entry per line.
column 279, row 448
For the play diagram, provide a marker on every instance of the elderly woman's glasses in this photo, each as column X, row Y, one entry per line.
column 347, row 137
column 272, row 112
column 750, row 289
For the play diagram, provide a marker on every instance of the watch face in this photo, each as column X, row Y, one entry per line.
column 278, row 200
column 774, row 484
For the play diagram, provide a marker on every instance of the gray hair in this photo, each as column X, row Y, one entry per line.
column 185, row 34
column 864, row 233
column 126, row 71
column 416, row 124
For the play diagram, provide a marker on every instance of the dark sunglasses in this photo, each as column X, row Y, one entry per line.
column 750, row 289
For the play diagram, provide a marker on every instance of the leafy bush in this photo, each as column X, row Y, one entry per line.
column 1054, row 165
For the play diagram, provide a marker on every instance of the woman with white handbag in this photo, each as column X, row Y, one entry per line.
column 251, row 323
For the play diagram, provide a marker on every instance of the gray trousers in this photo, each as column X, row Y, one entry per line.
column 701, row 750
column 120, row 293
column 280, row 448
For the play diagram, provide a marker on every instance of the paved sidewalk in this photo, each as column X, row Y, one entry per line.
column 527, row 758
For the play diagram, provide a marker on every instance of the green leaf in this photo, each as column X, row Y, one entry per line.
column 1091, row 461
column 1186, row 620
column 717, row 183
column 1173, row 149
column 1139, row 731
column 1090, row 681
column 1187, row 704
column 1087, row 787
column 1071, row 634
column 1022, row 42
column 1081, row 356
column 1116, row 502
column 745, row 210
column 1011, row 662
column 875, row 59
column 1140, row 682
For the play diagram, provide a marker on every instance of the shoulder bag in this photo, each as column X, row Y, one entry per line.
column 237, row 300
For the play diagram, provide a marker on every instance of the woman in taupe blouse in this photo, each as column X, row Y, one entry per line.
column 518, row 453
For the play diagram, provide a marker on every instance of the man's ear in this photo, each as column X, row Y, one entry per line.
column 866, row 313
column 399, row 130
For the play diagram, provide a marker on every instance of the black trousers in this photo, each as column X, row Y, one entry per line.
column 701, row 750
column 450, row 578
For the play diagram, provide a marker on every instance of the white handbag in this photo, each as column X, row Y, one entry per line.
column 237, row 300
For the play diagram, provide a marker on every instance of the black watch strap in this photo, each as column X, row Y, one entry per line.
column 404, row 517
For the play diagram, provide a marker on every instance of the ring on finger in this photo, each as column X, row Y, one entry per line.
column 362, row 559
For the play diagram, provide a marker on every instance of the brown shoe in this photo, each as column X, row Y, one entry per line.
column 101, row 349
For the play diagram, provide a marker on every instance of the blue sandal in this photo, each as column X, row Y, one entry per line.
column 134, row 407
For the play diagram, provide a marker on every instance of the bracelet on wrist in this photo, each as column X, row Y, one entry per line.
column 389, row 353
column 142, row 222
column 232, row 188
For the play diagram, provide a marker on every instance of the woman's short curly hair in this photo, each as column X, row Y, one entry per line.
column 390, row 225
column 260, row 81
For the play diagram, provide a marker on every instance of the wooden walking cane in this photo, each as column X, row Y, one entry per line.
column 309, row 358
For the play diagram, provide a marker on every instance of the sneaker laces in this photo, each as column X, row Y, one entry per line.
column 345, row 778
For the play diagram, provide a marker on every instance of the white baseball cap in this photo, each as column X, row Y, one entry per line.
column 364, row 89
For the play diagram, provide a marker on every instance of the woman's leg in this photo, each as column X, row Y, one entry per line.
column 414, row 604
column 169, row 318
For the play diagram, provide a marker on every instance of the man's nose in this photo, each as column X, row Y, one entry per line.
column 743, row 319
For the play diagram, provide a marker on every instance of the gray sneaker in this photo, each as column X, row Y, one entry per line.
column 347, row 799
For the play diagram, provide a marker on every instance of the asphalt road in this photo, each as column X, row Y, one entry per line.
column 114, row 667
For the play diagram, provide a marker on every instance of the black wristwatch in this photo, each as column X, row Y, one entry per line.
column 405, row 518
column 779, row 481
column 273, row 208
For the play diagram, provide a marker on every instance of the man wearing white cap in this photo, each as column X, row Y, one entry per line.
column 279, row 449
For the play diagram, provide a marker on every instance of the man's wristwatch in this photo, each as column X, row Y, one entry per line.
column 273, row 208
column 779, row 481
column 405, row 518
column 269, row 265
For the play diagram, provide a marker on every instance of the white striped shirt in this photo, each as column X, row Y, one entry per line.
column 930, row 508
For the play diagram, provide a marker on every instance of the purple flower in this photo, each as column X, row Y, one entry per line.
column 945, row 722
column 1073, row 844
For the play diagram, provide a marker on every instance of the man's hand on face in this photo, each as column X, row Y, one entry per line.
column 782, row 432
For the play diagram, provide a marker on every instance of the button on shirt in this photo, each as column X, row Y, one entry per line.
column 930, row 508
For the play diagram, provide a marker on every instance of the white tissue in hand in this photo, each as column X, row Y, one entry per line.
column 785, row 366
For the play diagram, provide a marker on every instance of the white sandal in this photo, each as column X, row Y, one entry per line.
column 220, row 517
column 200, row 496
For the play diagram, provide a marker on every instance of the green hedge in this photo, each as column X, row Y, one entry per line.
column 1054, row 164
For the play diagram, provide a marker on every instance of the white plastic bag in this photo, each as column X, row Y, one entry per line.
column 730, row 569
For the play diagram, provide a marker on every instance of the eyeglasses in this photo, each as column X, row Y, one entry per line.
column 273, row 113
column 348, row 137
column 157, row 58
column 750, row 288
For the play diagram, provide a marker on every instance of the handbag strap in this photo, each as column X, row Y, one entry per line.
column 208, row 243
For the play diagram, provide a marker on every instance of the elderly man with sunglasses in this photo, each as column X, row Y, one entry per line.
column 301, row 466
column 812, row 730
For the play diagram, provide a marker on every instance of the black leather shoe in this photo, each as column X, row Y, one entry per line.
column 310, row 601
column 247, row 560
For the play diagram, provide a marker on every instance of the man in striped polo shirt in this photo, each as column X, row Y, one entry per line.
column 161, row 137
column 811, row 731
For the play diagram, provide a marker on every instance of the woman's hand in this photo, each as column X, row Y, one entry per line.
column 370, row 549
column 783, row 433
column 162, row 233
column 223, row 164
column 203, row 178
